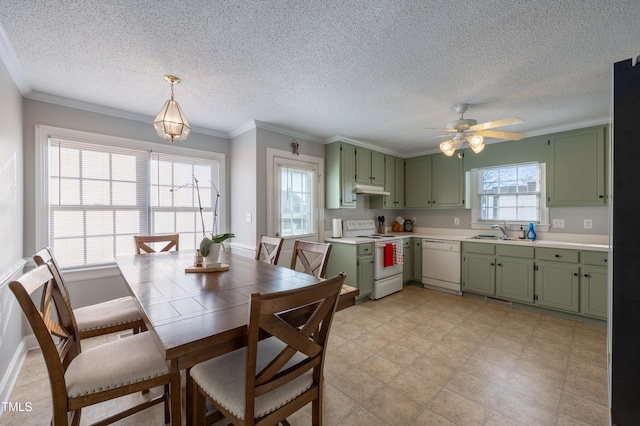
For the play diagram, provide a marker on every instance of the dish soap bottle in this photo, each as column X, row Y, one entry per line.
column 521, row 233
column 531, row 234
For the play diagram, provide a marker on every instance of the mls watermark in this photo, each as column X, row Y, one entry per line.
column 16, row 406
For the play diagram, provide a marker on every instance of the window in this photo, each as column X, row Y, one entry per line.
column 512, row 193
column 99, row 191
column 176, row 202
column 296, row 201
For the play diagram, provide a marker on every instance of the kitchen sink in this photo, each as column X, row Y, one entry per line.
column 497, row 238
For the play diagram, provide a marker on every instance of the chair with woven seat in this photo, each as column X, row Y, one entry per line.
column 142, row 242
column 313, row 257
column 81, row 378
column 270, row 379
column 102, row 318
column 269, row 249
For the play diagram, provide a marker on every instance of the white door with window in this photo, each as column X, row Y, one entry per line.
column 296, row 202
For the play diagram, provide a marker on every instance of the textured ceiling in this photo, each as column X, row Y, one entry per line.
column 379, row 71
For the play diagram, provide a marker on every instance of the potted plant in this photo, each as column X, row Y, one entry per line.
column 210, row 245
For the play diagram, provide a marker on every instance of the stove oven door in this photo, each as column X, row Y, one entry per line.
column 394, row 264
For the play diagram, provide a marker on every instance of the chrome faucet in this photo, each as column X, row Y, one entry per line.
column 503, row 228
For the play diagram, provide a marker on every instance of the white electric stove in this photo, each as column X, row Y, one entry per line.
column 387, row 278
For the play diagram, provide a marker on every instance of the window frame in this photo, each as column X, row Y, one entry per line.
column 277, row 156
column 42, row 135
column 473, row 181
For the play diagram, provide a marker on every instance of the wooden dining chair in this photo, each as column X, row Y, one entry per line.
column 142, row 241
column 269, row 249
column 81, row 378
column 270, row 379
column 313, row 257
column 102, row 318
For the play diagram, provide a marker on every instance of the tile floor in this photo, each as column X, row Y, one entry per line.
column 421, row 357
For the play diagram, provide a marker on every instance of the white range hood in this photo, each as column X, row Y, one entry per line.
column 370, row 190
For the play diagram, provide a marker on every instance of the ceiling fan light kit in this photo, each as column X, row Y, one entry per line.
column 468, row 130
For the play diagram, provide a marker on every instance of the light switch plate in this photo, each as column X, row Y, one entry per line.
column 557, row 223
column 248, row 217
column 588, row 224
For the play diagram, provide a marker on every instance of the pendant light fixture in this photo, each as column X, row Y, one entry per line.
column 170, row 122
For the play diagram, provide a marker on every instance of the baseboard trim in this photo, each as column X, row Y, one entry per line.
column 11, row 375
column 243, row 249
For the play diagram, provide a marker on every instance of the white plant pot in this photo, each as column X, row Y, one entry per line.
column 212, row 259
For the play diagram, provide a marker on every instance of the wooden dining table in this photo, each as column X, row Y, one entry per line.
column 194, row 317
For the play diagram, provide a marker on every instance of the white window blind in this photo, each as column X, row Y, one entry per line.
column 97, row 199
column 100, row 196
column 175, row 205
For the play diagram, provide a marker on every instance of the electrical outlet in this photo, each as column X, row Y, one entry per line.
column 557, row 223
column 456, row 221
column 588, row 224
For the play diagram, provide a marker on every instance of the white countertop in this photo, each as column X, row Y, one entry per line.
column 566, row 241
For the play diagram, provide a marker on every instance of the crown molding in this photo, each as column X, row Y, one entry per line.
column 257, row 124
column 573, row 126
column 113, row 112
column 10, row 60
column 358, row 142
column 286, row 131
column 242, row 129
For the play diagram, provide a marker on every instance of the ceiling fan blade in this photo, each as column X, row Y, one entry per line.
column 497, row 123
column 500, row 135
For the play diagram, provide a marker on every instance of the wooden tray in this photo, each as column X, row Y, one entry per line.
column 222, row 267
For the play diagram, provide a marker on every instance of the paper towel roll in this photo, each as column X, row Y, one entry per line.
column 337, row 228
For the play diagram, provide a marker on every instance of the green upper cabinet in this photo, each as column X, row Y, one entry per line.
column 369, row 167
column 393, row 183
column 435, row 181
column 447, row 187
column 340, row 171
column 417, row 172
column 576, row 170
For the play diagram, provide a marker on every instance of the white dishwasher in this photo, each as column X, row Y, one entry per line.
column 441, row 265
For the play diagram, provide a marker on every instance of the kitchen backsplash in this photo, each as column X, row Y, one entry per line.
column 574, row 217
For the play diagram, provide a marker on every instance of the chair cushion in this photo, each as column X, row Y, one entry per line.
column 114, row 364
column 223, row 379
column 105, row 314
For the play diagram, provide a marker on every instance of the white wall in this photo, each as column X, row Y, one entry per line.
column 11, row 230
column 243, row 191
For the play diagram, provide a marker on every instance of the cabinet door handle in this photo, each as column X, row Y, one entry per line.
column 499, row 264
column 575, row 274
column 557, row 255
column 586, row 275
column 493, row 264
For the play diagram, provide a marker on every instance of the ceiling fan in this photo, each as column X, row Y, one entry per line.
column 468, row 129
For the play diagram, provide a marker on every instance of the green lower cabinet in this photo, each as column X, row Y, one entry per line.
column 365, row 274
column 416, row 264
column 514, row 279
column 407, row 261
column 479, row 274
column 356, row 260
column 558, row 285
column 594, row 288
